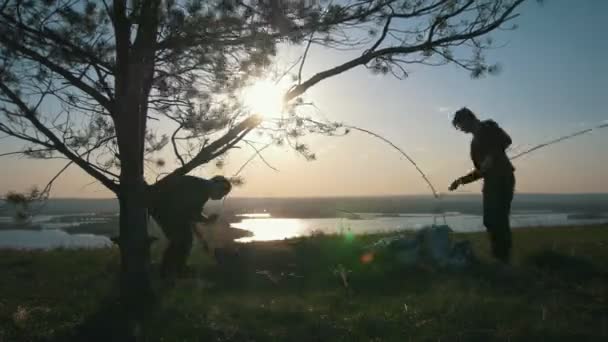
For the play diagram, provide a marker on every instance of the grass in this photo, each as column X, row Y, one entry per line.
column 557, row 292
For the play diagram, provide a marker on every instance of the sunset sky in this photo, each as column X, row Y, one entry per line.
column 554, row 81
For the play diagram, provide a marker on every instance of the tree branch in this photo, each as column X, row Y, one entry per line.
column 382, row 36
column 75, row 81
column 25, row 137
column 26, row 152
column 443, row 18
column 216, row 148
column 420, row 11
column 57, row 143
column 304, row 58
column 47, row 189
column 174, row 143
column 59, row 40
column 258, row 152
column 364, row 59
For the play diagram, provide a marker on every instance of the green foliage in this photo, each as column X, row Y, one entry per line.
column 16, row 198
column 21, row 202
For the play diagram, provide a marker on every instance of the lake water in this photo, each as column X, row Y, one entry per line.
column 49, row 239
column 265, row 227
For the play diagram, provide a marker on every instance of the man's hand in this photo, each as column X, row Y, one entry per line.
column 455, row 184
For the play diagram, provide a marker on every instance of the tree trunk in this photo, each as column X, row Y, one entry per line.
column 133, row 81
column 135, row 286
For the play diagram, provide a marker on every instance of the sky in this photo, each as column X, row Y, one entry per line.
column 554, row 81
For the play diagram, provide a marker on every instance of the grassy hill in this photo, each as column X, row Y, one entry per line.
column 289, row 291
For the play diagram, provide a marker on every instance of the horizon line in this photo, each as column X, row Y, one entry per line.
column 365, row 196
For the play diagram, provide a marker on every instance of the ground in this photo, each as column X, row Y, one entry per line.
column 292, row 291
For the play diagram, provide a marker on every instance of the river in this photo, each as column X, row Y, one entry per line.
column 265, row 227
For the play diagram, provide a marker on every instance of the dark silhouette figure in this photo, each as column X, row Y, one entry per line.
column 492, row 164
column 177, row 206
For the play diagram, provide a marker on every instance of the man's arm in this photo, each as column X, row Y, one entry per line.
column 498, row 140
column 474, row 175
column 207, row 219
column 471, row 177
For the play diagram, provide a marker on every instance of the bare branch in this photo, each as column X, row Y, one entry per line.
column 443, row 18
column 420, row 11
column 402, row 50
column 304, row 58
column 47, row 189
column 57, row 39
column 382, row 36
column 174, row 143
column 258, row 152
column 75, row 81
column 216, row 148
column 25, row 137
column 288, row 70
column 56, row 142
column 26, row 152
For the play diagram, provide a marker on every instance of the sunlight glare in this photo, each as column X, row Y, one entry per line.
column 271, row 228
column 264, row 98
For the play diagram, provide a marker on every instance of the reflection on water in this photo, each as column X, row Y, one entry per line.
column 50, row 238
column 267, row 228
column 53, row 221
column 255, row 215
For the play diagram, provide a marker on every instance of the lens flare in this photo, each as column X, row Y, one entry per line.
column 367, row 258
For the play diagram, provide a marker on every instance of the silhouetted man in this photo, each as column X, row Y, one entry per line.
column 492, row 164
column 177, row 206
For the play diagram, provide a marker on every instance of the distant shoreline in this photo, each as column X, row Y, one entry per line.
column 324, row 207
column 446, row 195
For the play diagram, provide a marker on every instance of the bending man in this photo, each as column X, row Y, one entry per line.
column 177, row 206
column 492, row 164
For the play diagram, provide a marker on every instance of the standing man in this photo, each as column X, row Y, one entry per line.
column 492, row 164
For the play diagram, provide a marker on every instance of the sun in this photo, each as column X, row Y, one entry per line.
column 264, row 98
